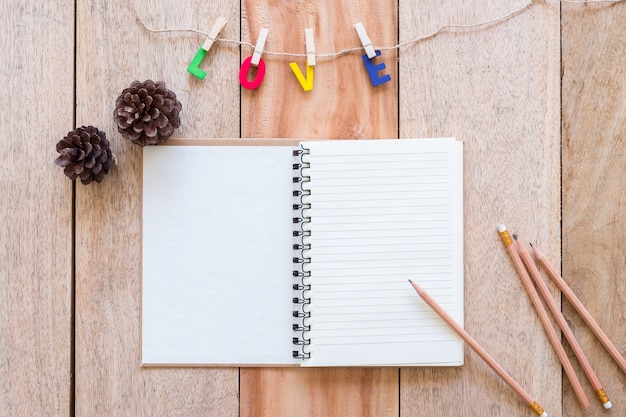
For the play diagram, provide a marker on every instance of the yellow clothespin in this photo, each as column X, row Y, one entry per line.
column 365, row 40
column 258, row 48
column 310, row 47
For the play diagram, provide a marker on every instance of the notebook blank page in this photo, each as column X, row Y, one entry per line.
column 383, row 212
column 217, row 255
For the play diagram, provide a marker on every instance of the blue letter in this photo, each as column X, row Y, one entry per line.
column 372, row 70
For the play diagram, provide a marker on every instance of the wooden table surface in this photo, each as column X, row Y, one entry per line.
column 538, row 98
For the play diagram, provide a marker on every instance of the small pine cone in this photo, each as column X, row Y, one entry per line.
column 85, row 154
column 147, row 113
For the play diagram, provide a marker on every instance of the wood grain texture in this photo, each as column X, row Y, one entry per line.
column 113, row 50
column 496, row 88
column 35, row 209
column 343, row 104
column 594, row 185
column 334, row 391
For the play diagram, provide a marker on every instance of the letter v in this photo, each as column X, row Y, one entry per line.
column 306, row 83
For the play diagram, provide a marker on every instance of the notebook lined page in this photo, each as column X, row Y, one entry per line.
column 384, row 211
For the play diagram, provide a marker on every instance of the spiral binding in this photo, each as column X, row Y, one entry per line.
column 301, row 259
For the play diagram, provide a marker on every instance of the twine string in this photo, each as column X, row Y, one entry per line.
column 331, row 55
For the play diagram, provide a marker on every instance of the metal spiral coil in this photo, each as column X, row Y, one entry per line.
column 301, row 258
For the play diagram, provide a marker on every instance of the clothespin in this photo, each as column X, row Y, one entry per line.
column 258, row 48
column 214, row 33
column 365, row 40
column 310, row 47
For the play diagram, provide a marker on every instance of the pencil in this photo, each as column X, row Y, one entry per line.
column 543, row 316
column 479, row 350
column 560, row 319
column 580, row 308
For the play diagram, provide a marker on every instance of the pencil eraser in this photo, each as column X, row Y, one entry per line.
column 501, row 228
column 607, row 405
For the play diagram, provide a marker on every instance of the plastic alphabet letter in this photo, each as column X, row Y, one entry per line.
column 194, row 68
column 256, row 61
column 306, row 83
column 243, row 74
column 373, row 69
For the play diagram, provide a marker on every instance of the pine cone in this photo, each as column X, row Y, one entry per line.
column 147, row 113
column 85, row 154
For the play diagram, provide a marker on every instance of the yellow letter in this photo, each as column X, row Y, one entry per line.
column 306, row 83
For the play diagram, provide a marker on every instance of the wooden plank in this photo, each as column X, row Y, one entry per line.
column 342, row 104
column 113, row 50
column 594, row 186
column 36, row 209
column 496, row 88
column 332, row 391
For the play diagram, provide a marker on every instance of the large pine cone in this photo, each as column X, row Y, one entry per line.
column 147, row 113
column 85, row 154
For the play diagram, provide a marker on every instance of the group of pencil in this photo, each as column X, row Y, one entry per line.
column 537, row 289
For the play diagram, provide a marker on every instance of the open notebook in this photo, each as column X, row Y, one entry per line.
column 300, row 255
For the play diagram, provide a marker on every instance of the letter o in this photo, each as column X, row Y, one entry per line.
column 245, row 69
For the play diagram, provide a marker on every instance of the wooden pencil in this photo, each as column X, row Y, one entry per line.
column 580, row 308
column 560, row 319
column 543, row 316
column 479, row 350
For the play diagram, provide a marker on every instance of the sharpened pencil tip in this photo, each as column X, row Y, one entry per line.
column 514, row 236
column 531, row 244
column 410, row 280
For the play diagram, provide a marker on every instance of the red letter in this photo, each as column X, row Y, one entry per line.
column 243, row 74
